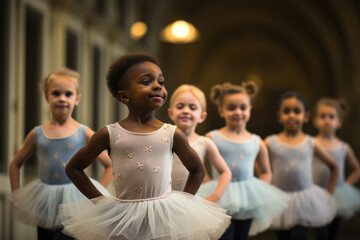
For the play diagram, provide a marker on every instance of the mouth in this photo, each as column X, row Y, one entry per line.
column 156, row 96
column 185, row 119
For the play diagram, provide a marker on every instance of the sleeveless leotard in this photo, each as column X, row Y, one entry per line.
column 37, row 202
column 309, row 206
column 179, row 173
column 346, row 196
column 246, row 197
column 144, row 207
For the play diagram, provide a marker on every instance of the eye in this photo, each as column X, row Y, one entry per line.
column 243, row 107
column 297, row 111
column 193, row 107
column 331, row 116
column 231, row 107
column 286, row 110
column 322, row 116
column 146, row 82
column 179, row 106
column 161, row 82
column 69, row 94
column 55, row 93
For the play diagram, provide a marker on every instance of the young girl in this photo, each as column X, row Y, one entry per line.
column 141, row 153
column 329, row 114
column 250, row 202
column 54, row 144
column 187, row 110
column 291, row 153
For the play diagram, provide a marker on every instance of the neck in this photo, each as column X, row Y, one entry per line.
column 236, row 130
column 327, row 135
column 61, row 121
column 295, row 133
column 141, row 118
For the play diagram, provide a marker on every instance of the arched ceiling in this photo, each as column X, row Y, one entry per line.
column 310, row 46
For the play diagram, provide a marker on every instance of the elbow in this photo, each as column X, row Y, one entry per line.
column 68, row 170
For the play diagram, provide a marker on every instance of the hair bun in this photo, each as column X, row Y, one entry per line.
column 250, row 87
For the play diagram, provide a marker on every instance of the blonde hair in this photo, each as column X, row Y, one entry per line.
column 45, row 83
column 198, row 94
column 219, row 91
column 340, row 106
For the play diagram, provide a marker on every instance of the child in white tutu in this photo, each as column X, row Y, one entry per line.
column 251, row 202
column 329, row 114
column 54, row 144
column 187, row 109
column 291, row 153
column 141, row 149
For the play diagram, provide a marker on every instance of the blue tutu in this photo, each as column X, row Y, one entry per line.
column 37, row 203
column 250, row 199
column 347, row 200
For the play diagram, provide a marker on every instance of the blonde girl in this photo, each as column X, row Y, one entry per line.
column 54, row 143
column 187, row 110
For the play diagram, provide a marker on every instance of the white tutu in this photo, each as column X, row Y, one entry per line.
column 311, row 207
column 176, row 215
column 347, row 200
column 250, row 198
column 37, row 203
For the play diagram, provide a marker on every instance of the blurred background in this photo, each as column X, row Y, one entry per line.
column 311, row 46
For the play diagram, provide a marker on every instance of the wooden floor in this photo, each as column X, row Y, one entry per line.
column 349, row 230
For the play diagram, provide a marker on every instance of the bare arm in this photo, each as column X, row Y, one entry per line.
column 353, row 163
column 24, row 153
column 104, row 160
column 219, row 163
column 83, row 158
column 262, row 165
column 331, row 163
column 191, row 161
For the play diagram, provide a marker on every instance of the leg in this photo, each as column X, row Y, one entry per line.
column 45, row 234
column 283, row 234
column 242, row 228
column 299, row 233
column 61, row 236
column 333, row 228
column 322, row 233
column 229, row 233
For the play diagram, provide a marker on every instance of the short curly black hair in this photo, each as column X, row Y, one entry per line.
column 117, row 70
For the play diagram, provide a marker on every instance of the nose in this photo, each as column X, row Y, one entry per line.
column 157, row 86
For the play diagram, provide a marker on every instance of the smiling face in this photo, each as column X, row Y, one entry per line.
column 235, row 109
column 146, row 88
column 292, row 114
column 186, row 111
column 327, row 119
column 62, row 95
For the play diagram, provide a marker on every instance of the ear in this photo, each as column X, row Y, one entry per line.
column 78, row 97
column 170, row 113
column 307, row 116
column 203, row 117
column 221, row 112
column 339, row 124
column 123, row 97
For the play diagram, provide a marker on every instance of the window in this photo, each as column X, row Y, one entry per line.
column 33, row 61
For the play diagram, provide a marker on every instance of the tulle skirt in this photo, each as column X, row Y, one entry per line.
column 347, row 200
column 250, row 199
column 37, row 203
column 176, row 215
column 311, row 207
